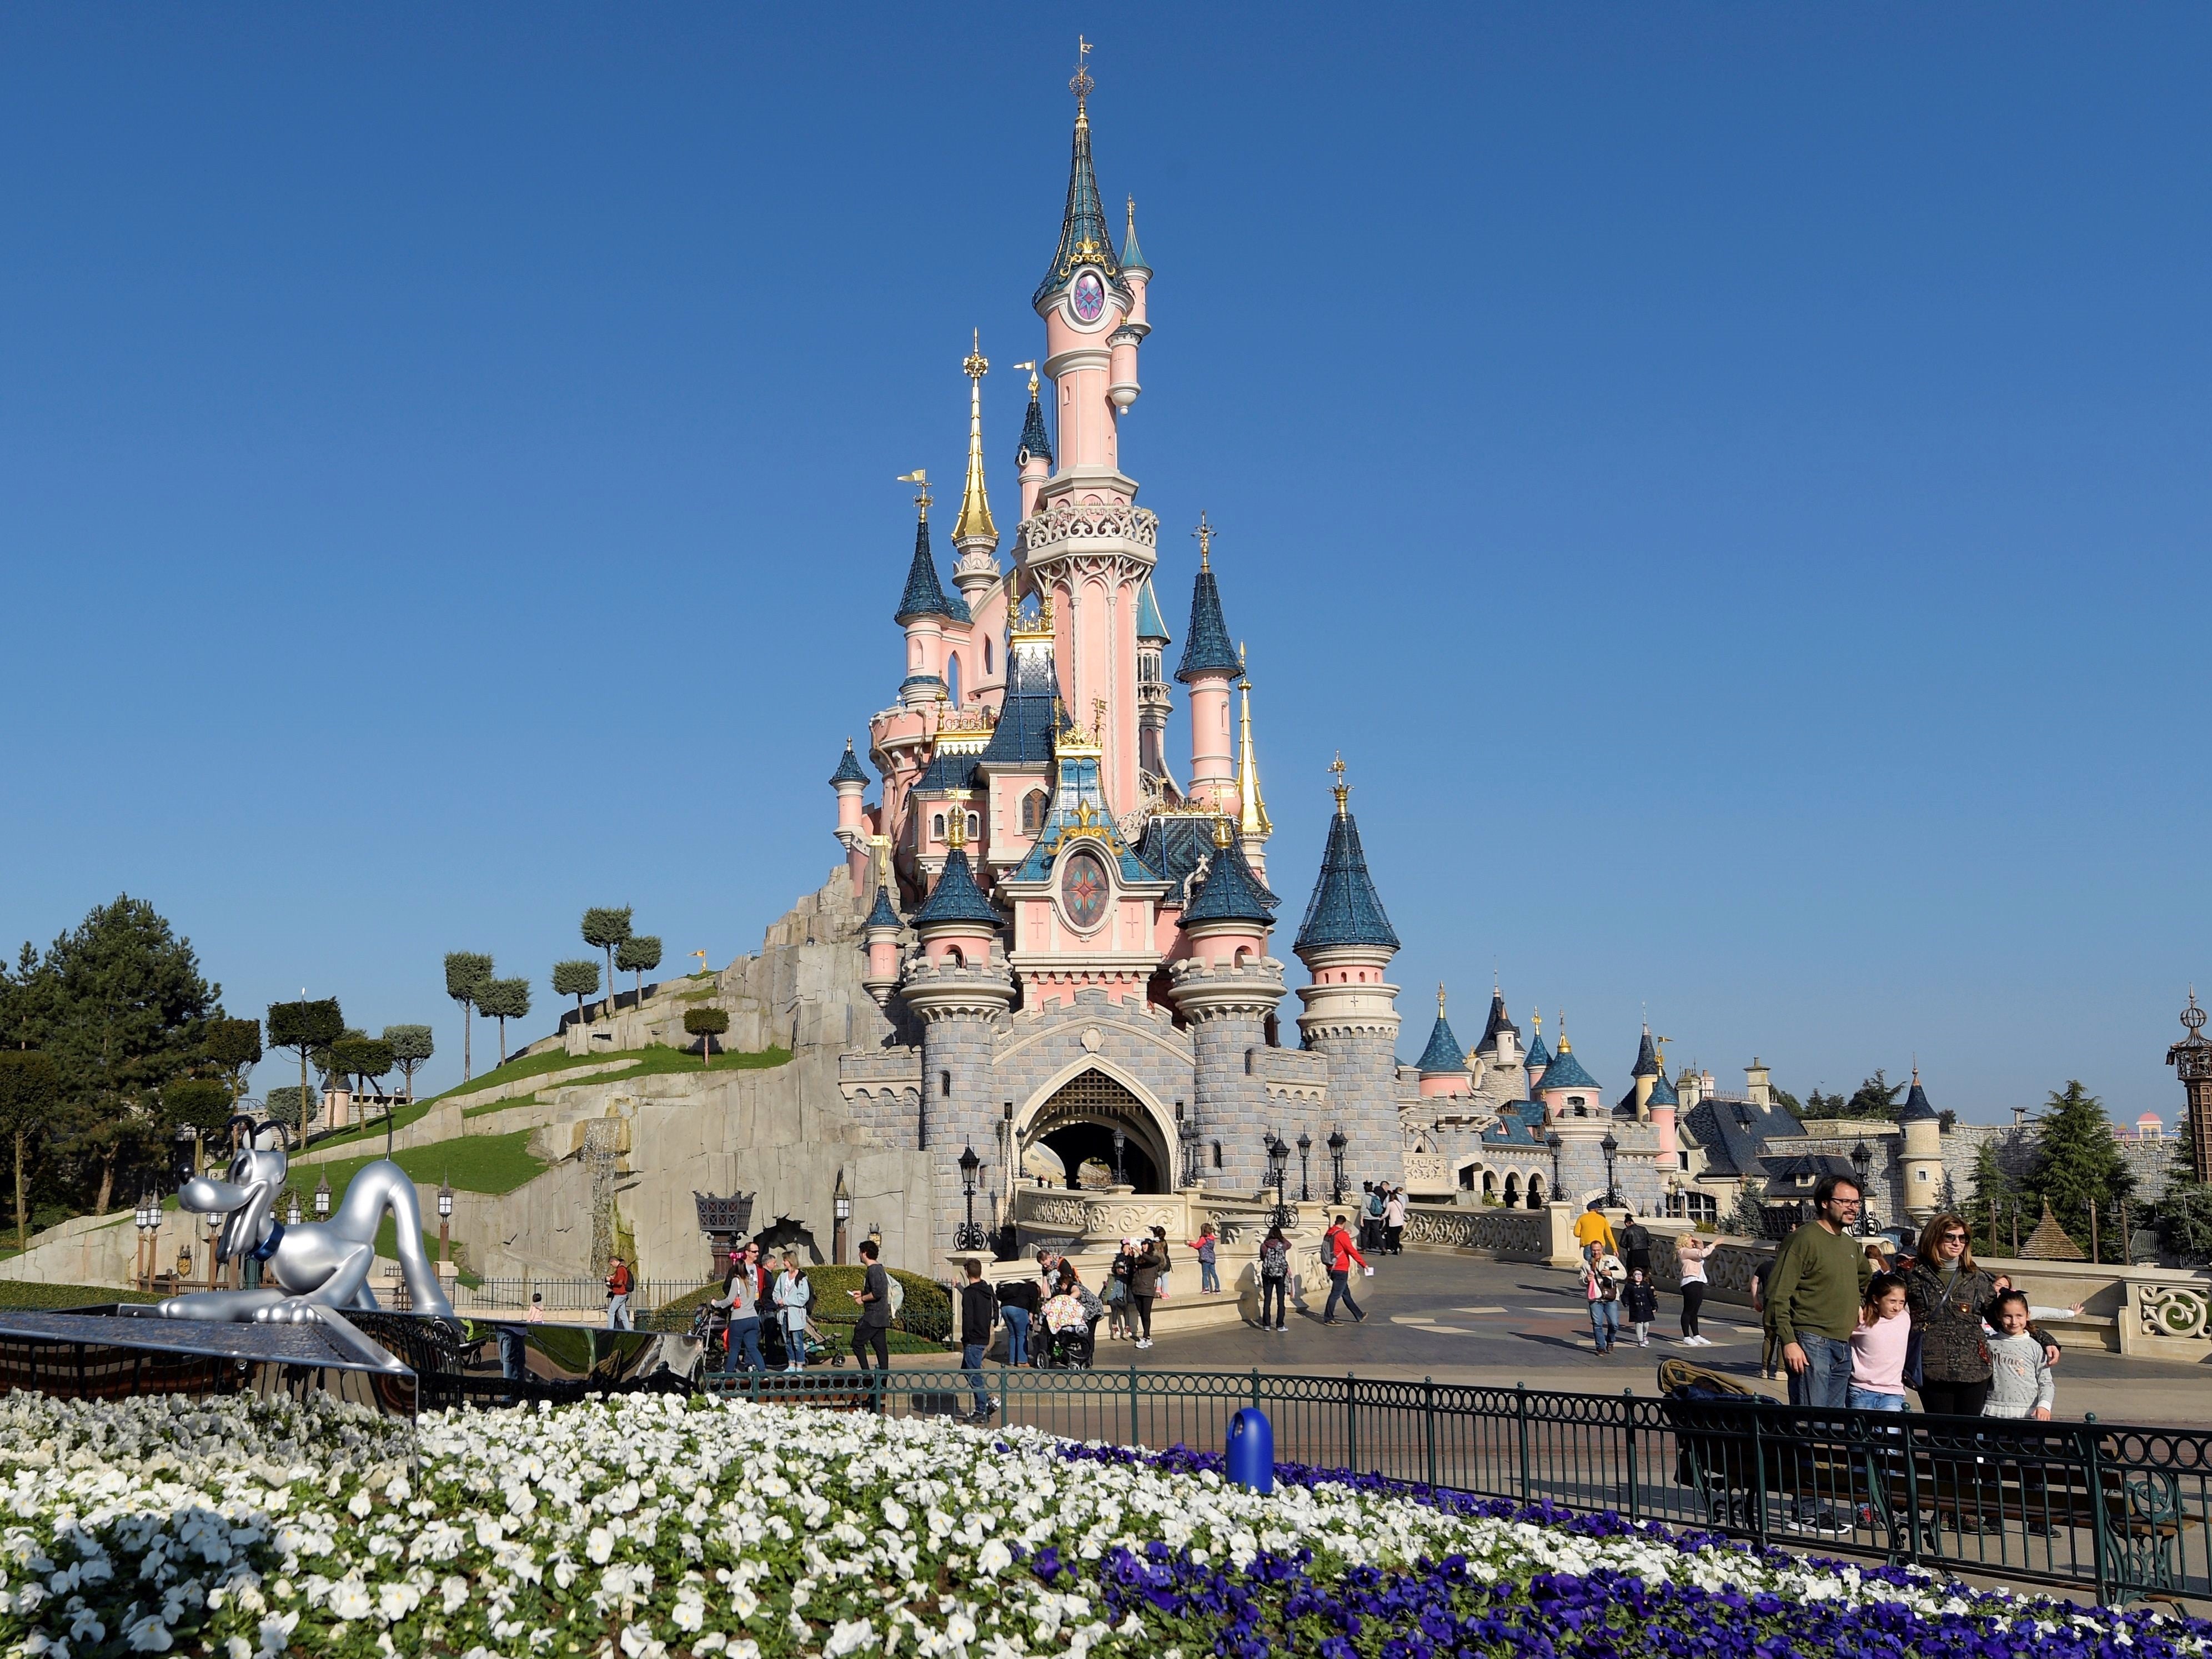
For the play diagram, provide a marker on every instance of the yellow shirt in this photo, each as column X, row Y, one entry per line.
column 1592, row 1228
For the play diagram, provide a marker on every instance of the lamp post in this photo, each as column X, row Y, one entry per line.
column 970, row 1236
column 444, row 1216
column 187, row 1146
column 292, row 1209
column 1552, row 1145
column 213, row 1227
column 1862, row 1160
column 1187, row 1137
column 1279, row 1161
column 1121, row 1146
column 150, row 1223
column 1611, row 1148
column 323, row 1197
column 1305, row 1171
column 840, row 1206
column 1337, row 1142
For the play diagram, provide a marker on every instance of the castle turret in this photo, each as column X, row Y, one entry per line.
column 1153, row 700
column 880, row 935
column 1033, row 459
column 1540, row 1057
column 1664, row 1103
column 1253, row 827
column 1225, row 991
column 851, row 783
column 973, row 533
column 1636, row 1103
column 1569, row 1092
column 1444, row 1063
column 1922, row 1159
column 923, row 610
column 1123, row 388
column 1350, row 1016
column 1209, row 664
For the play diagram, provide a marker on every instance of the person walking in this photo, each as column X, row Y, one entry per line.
column 1274, row 1277
column 1690, row 1252
column 1601, row 1277
column 740, row 1297
column 1370, row 1216
column 1151, row 1262
column 792, row 1297
column 1018, row 1306
column 1592, row 1230
column 1209, row 1275
column 1120, row 1316
column 618, row 1288
column 1636, row 1246
column 1948, row 1294
column 1821, row 1277
column 979, row 1321
column 1393, row 1222
column 1639, row 1302
column 873, row 1330
column 1339, row 1251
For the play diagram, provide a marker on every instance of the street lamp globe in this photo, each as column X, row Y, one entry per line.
column 444, row 1200
column 323, row 1197
column 292, row 1210
column 968, row 1164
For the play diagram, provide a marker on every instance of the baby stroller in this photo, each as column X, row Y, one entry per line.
column 1071, row 1339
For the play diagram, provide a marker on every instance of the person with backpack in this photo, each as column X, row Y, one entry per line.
column 878, row 1296
column 1370, row 1217
column 1274, row 1277
column 1338, row 1250
column 1601, row 1277
column 618, row 1289
column 979, row 1319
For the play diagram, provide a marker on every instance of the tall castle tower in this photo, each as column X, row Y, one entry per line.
column 1922, row 1163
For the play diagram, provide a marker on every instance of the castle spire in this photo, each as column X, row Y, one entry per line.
column 1035, row 445
column 1206, row 648
column 1344, row 909
column 1252, row 820
column 924, row 596
column 1132, row 257
column 1084, row 237
column 973, row 526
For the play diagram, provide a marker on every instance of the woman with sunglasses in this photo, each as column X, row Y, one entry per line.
column 1947, row 1291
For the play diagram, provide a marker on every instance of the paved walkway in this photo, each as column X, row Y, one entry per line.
column 1458, row 1319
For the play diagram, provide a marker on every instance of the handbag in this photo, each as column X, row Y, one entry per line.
column 1910, row 1373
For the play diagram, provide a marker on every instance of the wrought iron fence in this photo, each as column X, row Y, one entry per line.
column 2120, row 1512
column 568, row 1295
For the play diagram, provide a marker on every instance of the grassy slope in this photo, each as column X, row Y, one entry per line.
column 17, row 1293
column 474, row 1163
column 656, row 1060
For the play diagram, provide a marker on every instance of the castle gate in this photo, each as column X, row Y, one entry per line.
column 1079, row 1120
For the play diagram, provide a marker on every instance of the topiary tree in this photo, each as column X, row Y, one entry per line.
column 503, row 999
column 28, row 1086
column 288, row 1106
column 234, row 1045
column 638, row 956
column 466, row 973
column 411, row 1045
column 200, row 1104
column 604, row 927
column 304, row 1027
column 364, row 1059
column 576, row 978
column 706, row 1024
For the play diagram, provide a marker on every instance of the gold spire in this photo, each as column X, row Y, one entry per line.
column 1340, row 789
column 1440, row 1000
column 1566, row 1047
column 919, row 478
column 1204, row 534
column 975, row 520
column 1081, row 84
column 1251, row 812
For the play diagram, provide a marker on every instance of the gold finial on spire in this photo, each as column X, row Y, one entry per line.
column 975, row 521
column 1222, row 836
column 1340, row 789
column 1252, row 818
column 1204, row 534
column 1536, row 1017
column 1032, row 367
column 1566, row 1047
column 1440, row 998
column 1081, row 84
column 919, row 478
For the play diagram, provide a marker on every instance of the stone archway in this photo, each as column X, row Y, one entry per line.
column 1078, row 1118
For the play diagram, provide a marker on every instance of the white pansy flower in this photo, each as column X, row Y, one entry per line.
column 349, row 1599
column 599, row 1546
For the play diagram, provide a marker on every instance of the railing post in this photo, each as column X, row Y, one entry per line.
column 1350, row 1422
column 2092, row 1464
column 1521, row 1413
column 1256, row 1388
column 1912, row 1497
column 1628, row 1438
column 1136, row 1437
column 1429, row 1424
column 1758, row 1476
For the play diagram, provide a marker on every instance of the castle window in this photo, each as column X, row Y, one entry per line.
column 944, row 1086
column 975, row 828
column 1217, row 1154
column 987, row 655
column 1033, row 811
column 952, row 677
column 937, row 826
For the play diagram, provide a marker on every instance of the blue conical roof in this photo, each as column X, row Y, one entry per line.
column 1230, row 892
column 924, row 597
column 1344, row 909
column 1084, row 238
column 956, row 897
column 1028, row 716
column 1033, row 441
column 885, row 914
column 1207, row 649
column 1132, row 257
column 1539, row 1055
column 1443, row 1053
column 1647, row 1057
column 1499, row 1021
column 1565, row 1071
column 1916, row 1103
column 1149, row 624
column 848, row 767
column 1662, row 1092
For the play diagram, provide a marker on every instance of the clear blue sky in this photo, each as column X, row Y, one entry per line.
column 1732, row 480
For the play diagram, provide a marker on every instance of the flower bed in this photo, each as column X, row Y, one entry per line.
column 654, row 1527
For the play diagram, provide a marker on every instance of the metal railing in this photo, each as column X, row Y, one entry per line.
column 2119, row 1512
column 570, row 1295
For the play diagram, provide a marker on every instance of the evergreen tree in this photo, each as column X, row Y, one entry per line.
column 1875, row 1098
column 2077, row 1162
column 235, row 1046
column 1993, row 1197
column 1786, row 1101
column 1748, row 1218
column 304, row 1028
column 578, row 978
column 2183, row 1215
column 706, row 1024
column 638, row 956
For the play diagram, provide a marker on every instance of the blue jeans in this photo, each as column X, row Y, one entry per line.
column 971, row 1361
column 618, row 1313
column 1209, row 1278
column 1866, row 1400
column 1605, row 1323
column 1273, row 1292
column 744, row 1343
column 1340, row 1286
column 1826, row 1381
column 1017, row 1335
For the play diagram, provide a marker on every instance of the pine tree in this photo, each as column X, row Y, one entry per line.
column 1993, row 1198
column 2183, row 1215
column 2077, row 1163
column 1748, row 1218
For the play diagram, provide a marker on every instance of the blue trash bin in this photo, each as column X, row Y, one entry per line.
column 1251, row 1454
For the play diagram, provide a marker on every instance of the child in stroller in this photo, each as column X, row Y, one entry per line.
column 1071, row 1321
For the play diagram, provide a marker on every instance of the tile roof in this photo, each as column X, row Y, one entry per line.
column 1344, row 909
column 1539, row 1055
column 1443, row 1053
column 848, row 767
column 1084, row 238
column 1027, row 716
column 924, row 596
column 1132, row 257
column 1230, row 892
column 1662, row 1092
column 1517, row 1125
column 947, row 772
column 1916, row 1103
column 1206, row 648
column 1647, row 1057
column 1565, row 1071
column 1499, row 1021
column 1079, row 812
column 1149, row 624
column 1733, row 1134
column 884, row 915
column 1033, row 441
column 956, row 897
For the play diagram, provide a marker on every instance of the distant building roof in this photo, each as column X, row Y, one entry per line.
column 1916, row 1103
column 1733, row 1134
column 1517, row 1125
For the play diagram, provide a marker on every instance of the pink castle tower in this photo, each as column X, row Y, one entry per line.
column 1442, row 1064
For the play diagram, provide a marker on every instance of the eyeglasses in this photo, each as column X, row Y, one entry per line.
column 1951, row 1238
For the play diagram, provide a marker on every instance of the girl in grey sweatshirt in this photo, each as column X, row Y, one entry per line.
column 2020, row 1372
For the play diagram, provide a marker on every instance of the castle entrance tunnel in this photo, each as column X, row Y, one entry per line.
column 1077, row 1124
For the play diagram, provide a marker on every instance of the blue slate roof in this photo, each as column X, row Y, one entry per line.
column 1565, row 1071
column 1915, row 1104
column 1075, row 787
column 848, row 767
column 924, row 597
column 1023, row 735
column 1132, row 257
column 1662, row 1092
column 886, row 914
column 1647, row 1057
column 1084, row 238
column 1033, row 441
column 956, row 606
column 1344, row 909
column 1539, row 1055
column 912, row 680
column 947, row 772
column 1443, row 1053
column 1230, row 892
column 1517, row 1125
column 1149, row 624
column 1171, row 847
column 1732, row 1133
column 1207, row 650
column 956, row 897
column 1500, row 1021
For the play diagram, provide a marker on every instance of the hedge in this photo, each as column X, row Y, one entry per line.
column 928, row 1312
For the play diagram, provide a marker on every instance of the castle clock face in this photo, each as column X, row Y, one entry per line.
column 1084, row 889
column 1089, row 299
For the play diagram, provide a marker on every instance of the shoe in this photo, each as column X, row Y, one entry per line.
column 1643, row 1342
column 1331, row 1321
column 1281, row 1328
column 1823, row 1521
column 1359, row 1319
column 1144, row 1341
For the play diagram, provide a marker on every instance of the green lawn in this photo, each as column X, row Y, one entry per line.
column 650, row 1061
column 474, row 1163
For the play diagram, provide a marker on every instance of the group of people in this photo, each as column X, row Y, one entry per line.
column 1855, row 1329
column 759, row 1286
column 1381, row 1218
column 1619, row 1287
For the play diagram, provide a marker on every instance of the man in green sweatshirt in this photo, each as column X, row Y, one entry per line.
column 1813, row 1298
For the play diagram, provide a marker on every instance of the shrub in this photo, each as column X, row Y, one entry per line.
column 928, row 1312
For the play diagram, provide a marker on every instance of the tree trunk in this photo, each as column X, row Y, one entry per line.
column 22, row 1215
column 106, row 1178
column 304, row 1113
column 467, row 1008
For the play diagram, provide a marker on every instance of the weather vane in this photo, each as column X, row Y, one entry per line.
column 1204, row 534
column 919, row 478
column 1081, row 85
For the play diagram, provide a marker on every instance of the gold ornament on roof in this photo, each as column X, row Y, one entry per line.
column 1081, row 85
column 1341, row 789
column 975, row 520
column 1204, row 532
column 920, row 477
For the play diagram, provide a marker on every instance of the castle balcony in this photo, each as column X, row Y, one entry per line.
column 1068, row 529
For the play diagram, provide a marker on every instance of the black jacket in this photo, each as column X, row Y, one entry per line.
column 1639, row 1302
column 1019, row 1293
column 979, row 1311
